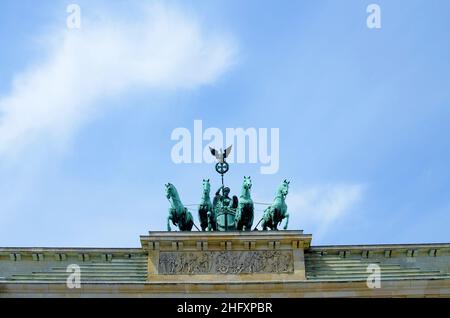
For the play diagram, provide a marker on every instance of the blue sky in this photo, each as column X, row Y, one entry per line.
column 87, row 115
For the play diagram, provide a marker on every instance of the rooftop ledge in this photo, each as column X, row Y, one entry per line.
column 233, row 235
column 257, row 236
column 289, row 237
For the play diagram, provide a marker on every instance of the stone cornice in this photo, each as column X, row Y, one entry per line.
column 381, row 246
column 386, row 250
column 60, row 254
column 68, row 250
column 225, row 240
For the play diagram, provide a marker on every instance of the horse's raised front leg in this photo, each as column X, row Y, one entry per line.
column 287, row 221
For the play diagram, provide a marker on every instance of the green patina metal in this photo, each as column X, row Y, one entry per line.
column 178, row 214
column 226, row 213
column 225, row 208
column 206, row 212
column 275, row 213
column 245, row 209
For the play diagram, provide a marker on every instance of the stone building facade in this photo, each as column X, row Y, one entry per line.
column 228, row 264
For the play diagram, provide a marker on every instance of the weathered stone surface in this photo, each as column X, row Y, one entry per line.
column 225, row 256
column 317, row 271
column 225, row 262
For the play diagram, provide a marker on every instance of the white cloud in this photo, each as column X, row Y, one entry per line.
column 318, row 207
column 163, row 50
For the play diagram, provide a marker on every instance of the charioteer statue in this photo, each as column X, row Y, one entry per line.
column 225, row 208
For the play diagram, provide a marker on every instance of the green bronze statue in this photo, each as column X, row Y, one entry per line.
column 178, row 214
column 224, row 200
column 225, row 209
column 275, row 213
column 206, row 213
column 225, row 213
column 244, row 212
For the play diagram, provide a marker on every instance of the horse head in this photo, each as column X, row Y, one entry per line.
column 284, row 188
column 206, row 187
column 247, row 185
column 170, row 190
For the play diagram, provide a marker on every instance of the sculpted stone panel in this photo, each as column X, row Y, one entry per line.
column 225, row 262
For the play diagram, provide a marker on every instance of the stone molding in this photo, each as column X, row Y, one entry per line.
column 241, row 256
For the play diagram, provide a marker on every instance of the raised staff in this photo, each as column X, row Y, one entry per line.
column 224, row 206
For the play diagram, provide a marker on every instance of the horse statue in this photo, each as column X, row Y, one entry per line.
column 206, row 213
column 244, row 211
column 178, row 214
column 275, row 213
